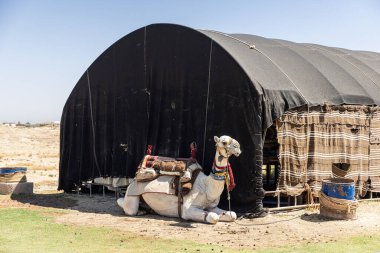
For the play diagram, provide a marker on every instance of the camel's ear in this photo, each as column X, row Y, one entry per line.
column 216, row 138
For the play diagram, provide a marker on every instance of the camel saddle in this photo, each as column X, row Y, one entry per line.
column 152, row 167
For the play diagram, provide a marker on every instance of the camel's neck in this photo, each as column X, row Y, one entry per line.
column 214, row 187
column 216, row 182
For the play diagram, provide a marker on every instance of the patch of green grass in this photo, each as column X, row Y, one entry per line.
column 23, row 230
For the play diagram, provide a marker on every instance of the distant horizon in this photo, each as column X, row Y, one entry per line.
column 30, row 123
column 46, row 46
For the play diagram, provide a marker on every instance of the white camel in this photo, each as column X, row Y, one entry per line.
column 200, row 204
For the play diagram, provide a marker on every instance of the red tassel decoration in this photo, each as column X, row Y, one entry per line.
column 231, row 176
column 193, row 148
column 149, row 150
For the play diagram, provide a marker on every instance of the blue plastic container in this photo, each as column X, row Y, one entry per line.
column 341, row 188
column 10, row 170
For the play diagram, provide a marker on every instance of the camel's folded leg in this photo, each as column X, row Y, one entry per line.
column 196, row 214
column 224, row 215
column 130, row 204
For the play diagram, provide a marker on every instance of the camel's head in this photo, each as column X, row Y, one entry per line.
column 227, row 146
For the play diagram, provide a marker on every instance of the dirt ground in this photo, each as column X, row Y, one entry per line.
column 37, row 148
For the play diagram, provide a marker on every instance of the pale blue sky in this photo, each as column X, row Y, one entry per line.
column 45, row 45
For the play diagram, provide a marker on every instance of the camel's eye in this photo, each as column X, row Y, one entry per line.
column 224, row 143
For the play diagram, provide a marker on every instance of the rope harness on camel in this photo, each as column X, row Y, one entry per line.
column 224, row 173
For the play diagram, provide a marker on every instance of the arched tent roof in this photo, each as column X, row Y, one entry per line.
column 168, row 85
column 295, row 74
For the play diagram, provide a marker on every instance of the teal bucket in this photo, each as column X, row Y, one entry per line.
column 341, row 188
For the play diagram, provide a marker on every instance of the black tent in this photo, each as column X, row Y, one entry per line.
column 168, row 85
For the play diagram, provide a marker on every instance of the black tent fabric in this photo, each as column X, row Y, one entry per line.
column 168, row 85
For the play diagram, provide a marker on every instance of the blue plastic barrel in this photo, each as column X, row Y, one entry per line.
column 341, row 188
column 11, row 170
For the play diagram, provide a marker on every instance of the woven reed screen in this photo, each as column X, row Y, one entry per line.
column 329, row 141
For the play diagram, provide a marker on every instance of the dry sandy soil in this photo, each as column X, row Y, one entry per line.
column 37, row 148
